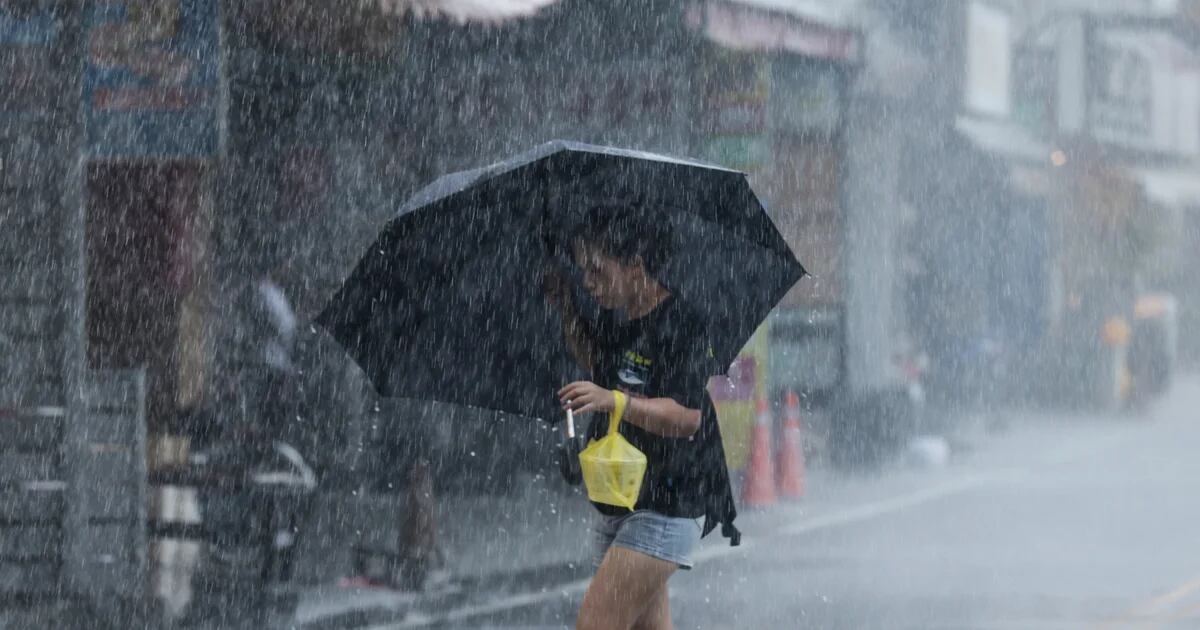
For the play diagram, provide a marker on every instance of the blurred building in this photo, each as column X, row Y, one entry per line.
column 1065, row 138
column 1114, row 96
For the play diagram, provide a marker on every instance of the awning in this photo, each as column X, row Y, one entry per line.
column 1004, row 139
column 836, row 13
column 364, row 27
column 1176, row 188
column 463, row 10
column 824, row 30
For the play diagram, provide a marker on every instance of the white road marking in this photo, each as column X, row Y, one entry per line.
column 895, row 504
column 859, row 513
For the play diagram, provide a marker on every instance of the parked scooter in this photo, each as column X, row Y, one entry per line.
column 254, row 504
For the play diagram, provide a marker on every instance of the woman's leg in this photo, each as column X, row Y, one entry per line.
column 628, row 585
column 658, row 615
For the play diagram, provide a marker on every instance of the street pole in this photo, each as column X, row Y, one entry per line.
column 68, row 112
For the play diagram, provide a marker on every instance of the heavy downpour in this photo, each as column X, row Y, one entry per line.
column 599, row 314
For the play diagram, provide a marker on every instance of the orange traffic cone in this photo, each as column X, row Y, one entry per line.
column 759, row 488
column 791, row 451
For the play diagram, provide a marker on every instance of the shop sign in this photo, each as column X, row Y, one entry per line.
column 735, row 101
column 22, row 26
column 1144, row 92
column 27, row 35
column 150, row 85
column 746, row 152
column 805, row 98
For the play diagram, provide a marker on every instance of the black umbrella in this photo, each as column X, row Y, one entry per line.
column 447, row 303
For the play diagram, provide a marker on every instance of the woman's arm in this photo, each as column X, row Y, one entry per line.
column 661, row 416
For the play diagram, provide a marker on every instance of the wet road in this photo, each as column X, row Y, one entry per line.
column 1069, row 522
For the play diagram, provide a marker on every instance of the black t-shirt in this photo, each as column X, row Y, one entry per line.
column 667, row 354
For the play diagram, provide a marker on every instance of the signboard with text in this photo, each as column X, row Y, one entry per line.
column 150, row 87
column 28, row 38
column 737, row 89
column 1143, row 91
column 27, row 26
column 805, row 98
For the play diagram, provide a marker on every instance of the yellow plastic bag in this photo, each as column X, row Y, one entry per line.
column 613, row 468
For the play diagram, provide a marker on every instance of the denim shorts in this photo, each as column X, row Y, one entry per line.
column 667, row 538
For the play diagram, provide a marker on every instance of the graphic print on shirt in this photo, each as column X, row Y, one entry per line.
column 634, row 373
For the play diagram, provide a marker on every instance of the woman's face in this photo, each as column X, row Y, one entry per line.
column 612, row 283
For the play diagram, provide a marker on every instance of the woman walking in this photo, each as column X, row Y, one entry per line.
column 649, row 358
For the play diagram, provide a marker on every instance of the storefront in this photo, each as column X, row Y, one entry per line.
column 826, row 139
column 151, row 101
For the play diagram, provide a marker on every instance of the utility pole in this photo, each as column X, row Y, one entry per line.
column 68, row 114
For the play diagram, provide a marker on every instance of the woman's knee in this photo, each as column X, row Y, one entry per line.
column 657, row 615
column 605, row 607
column 626, row 587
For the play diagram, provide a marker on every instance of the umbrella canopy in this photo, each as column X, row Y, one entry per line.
column 447, row 303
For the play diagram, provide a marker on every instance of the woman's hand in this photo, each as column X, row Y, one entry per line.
column 586, row 397
column 660, row 416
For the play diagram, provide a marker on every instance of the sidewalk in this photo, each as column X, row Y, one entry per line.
column 553, row 559
column 539, row 534
column 329, row 607
column 534, row 544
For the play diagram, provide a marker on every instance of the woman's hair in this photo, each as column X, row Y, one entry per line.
column 626, row 231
